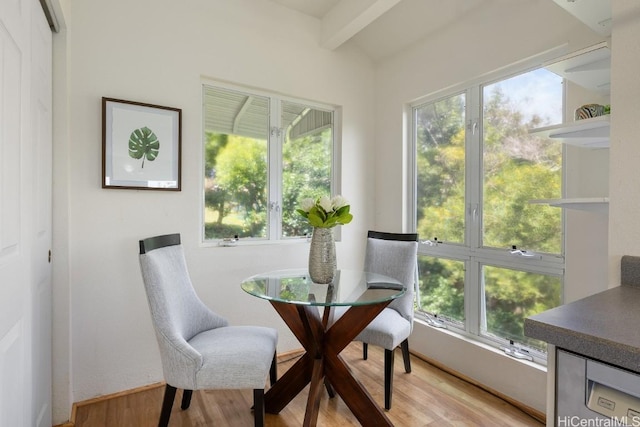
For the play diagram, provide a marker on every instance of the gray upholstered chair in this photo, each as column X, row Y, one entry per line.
column 198, row 349
column 393, row 255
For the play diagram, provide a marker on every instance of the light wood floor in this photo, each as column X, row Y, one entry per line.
column 427, row 396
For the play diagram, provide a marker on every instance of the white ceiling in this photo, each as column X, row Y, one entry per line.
column 316, row 8
column 380, row 27
column 384, row 27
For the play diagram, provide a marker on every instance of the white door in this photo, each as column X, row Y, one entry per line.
column 25, row 215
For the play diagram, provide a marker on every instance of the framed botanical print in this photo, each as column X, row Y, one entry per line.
column 141, row 145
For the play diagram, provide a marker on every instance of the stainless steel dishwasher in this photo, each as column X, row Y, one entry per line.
column 592, row 393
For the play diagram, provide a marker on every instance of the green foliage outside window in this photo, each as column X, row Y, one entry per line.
column 306, row 173
column 511, row 296
column 441, row 170
column 518, row 168
column 236, row 187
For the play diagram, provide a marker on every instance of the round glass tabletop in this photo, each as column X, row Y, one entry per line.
column 349, row 287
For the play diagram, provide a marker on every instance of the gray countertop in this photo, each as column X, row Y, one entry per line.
column 604, row 326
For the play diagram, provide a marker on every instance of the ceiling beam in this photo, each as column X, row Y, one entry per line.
column 348, row 18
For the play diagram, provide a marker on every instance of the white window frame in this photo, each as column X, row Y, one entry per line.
column 274, row 162
column 471, row 253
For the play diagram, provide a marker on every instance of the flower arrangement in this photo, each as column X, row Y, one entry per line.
column 326, row 212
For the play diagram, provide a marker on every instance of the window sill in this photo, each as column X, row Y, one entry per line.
column 472, row 340
column 220, row 243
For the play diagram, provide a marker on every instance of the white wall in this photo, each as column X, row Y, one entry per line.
column 624, row 176
column 157, row 51
column 586, row 232
column 501, row 34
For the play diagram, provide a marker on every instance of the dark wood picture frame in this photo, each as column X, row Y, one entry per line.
column 136, row 136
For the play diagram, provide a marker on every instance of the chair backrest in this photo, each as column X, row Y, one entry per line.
column 151, row 243
column 176, row 311
column 395, row 255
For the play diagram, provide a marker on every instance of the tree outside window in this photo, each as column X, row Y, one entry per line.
column 263, row 155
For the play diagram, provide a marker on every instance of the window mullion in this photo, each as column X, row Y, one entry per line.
column 274, row 178
column 473, row 291
column 473, row 297
column 474, row 169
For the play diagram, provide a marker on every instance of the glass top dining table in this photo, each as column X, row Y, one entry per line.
column 297, row 299
column 348, row 288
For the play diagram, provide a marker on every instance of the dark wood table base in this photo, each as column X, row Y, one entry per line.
column 322, row 362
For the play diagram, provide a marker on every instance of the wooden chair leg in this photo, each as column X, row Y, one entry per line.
column 365, row 350
column 405, row 355
column 186, row 399
column 258, row 407
column 273, row 372
column 388, row 378
column 330, row 391
column 167, row 404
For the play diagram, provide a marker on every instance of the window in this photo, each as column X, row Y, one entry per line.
column 488, row 257
column 263, row 154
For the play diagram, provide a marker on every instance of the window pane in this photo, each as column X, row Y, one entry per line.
column 306, row 162
column 442, row 288
column 440, row 158
column 518, row 167
column 236, row 128
column 510, row 296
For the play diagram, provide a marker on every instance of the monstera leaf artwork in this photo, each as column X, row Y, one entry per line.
column 144, row 144
column 132, row 135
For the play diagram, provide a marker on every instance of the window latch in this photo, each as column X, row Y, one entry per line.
column 522, row 253
column 274, row 206
column 517, row 353
column 276, row 131
column 433, row 242
column 435, row 321
column 472, row 125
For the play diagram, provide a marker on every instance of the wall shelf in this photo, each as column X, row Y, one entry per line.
column 592, row 204
column 589, row 68
column 587, row 133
